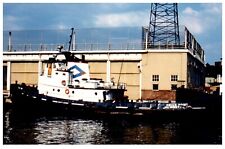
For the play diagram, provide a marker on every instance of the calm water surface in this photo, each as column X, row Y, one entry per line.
column 29, row 128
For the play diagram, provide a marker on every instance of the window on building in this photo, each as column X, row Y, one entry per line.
column 155, row 86
column 174, row 77
column 173, row 86
column 155, row 77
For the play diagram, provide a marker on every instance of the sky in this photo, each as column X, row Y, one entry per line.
column 204, row 20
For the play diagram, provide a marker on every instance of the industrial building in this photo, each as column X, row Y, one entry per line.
column 148, row 73
column 153, row 72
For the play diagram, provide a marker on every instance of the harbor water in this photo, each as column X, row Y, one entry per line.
column 31, row 128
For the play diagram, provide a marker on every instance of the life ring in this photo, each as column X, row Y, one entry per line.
column 63, row 82
column 67, row 91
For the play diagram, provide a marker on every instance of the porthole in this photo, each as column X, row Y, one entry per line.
column 58, row 90
column 53, row 89
column 72, row 92
column 96, row 93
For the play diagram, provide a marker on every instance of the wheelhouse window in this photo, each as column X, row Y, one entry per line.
column 155, row 77
column 174, row 77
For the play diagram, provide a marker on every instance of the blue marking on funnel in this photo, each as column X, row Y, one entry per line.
column 81, row 72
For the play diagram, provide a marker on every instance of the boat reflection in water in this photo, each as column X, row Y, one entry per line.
column 32, row 128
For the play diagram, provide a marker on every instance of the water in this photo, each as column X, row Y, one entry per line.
column 31, row 128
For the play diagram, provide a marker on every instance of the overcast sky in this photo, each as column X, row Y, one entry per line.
column 204, row 20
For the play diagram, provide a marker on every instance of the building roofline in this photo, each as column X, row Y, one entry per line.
column 109, row 52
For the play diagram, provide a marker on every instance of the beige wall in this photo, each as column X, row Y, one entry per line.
column 97, row 67
column 26, row 72
column 163, row 64
column 98, row 70
column 124, row 67
column 125, row 72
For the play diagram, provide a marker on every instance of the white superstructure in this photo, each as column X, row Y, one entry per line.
column 70, row 79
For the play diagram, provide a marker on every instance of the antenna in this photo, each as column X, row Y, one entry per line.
column 163, row 25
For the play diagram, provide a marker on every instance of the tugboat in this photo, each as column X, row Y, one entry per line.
column 70, row 80
column 66, row 84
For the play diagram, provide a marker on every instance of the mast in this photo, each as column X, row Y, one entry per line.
column 71, row 38
column 74, row 41
column 71, row 56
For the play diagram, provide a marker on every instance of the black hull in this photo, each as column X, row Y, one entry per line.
column 27, row 99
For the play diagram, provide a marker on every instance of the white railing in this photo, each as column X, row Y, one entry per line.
column 90, row 47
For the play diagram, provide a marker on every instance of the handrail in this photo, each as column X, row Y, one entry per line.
column 91, row 46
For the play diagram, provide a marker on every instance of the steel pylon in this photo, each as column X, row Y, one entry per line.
column 163, row 26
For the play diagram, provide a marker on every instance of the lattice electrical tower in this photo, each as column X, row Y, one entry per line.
column 163, row 26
